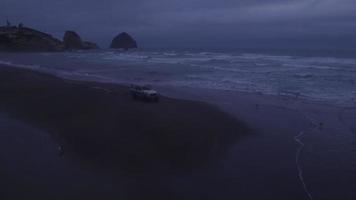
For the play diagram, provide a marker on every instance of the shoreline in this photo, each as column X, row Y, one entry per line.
column 253, row 94
column 67, row 73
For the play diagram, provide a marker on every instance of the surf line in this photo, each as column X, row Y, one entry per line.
column 299, row 141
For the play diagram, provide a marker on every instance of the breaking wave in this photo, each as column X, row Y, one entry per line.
column 331, row 79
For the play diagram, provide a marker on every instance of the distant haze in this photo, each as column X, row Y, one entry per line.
column 194, row 23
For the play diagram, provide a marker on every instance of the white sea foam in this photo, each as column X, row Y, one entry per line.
column 319, row 78
column 34, row 67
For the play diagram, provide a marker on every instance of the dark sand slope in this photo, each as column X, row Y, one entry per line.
column 100, row 123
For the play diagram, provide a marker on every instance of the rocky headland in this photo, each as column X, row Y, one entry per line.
column 24, row 39
column 13, row 38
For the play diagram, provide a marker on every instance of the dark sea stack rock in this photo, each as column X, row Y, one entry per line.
column 123, row 41
column 21, row 38
column 72, row 41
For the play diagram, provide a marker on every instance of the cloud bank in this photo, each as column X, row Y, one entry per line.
column 193, row 22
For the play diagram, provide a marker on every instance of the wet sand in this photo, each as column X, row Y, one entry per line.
column 285, row 155
column 301, row 149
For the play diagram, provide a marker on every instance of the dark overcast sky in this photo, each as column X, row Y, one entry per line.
column 194, row 22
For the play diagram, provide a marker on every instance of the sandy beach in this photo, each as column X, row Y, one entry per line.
column 102, row 121
column 233, row 146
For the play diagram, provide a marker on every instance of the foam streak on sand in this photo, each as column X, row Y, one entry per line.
column 299, row 151
column 299, row 141
column 103, row 89
column 297, row 159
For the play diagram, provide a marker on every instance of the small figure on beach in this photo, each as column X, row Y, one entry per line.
column 8, row 24
column 60, row 150
column 20, row 25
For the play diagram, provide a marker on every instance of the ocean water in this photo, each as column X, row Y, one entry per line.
column 316, row 75
column 281, row 162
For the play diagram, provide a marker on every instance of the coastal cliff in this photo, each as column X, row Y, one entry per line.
column 24, row 39
column 14, row 38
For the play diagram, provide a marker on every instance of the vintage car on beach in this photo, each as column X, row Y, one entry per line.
column 144, row 93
